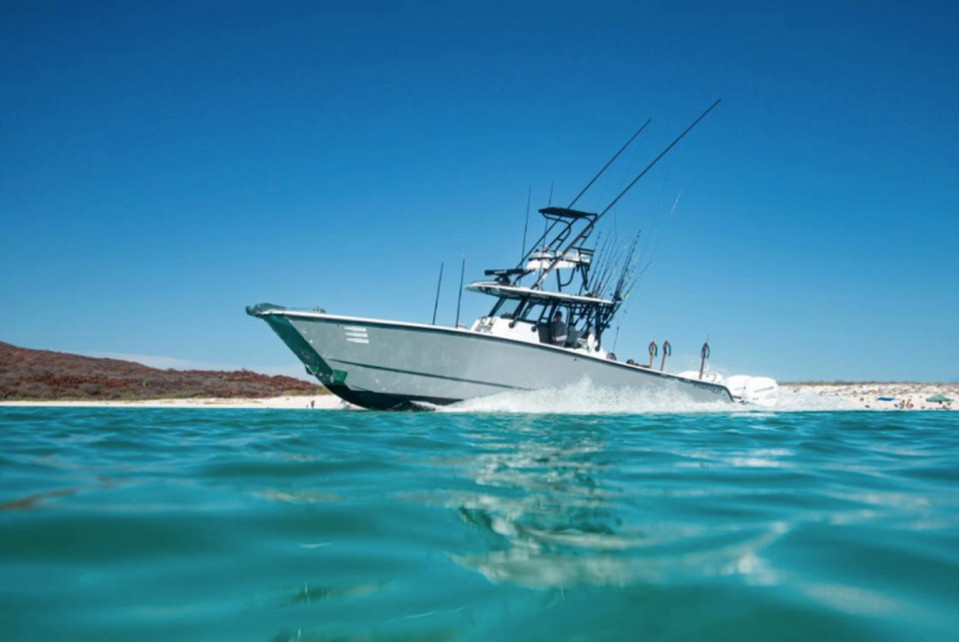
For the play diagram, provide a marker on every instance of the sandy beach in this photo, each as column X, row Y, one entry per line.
column 795, row 396
column 866, row 395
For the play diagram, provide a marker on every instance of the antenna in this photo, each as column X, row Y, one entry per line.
column 529, row 198
column 547, row 226
column 459, row 297
column 438, row 284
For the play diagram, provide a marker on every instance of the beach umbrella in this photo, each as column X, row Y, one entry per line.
column 939, row 399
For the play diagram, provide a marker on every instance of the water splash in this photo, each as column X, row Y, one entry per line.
column 585, row 398
column 794, row 401
column 588, row 399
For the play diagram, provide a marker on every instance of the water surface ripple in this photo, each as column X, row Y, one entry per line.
column 190, row 524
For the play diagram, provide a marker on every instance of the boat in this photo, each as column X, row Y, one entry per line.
column 536, row 335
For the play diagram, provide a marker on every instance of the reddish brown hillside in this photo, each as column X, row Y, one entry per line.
column 42, row 374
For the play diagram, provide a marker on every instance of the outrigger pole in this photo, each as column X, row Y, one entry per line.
column 656, row 160
column 589, row 227
column 609, row 162
column 553, row 224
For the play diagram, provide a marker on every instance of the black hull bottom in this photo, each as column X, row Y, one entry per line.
column 384, row 401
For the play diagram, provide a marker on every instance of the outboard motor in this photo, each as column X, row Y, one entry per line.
column 760, row 391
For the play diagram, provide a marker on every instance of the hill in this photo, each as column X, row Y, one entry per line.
column 27, row 374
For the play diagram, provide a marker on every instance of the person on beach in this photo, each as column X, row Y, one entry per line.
column 559, row 329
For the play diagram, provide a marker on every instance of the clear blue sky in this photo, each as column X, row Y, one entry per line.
column 161, row 167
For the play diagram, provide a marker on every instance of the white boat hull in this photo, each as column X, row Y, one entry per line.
column 392, row 365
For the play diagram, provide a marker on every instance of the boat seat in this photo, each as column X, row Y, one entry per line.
column 543, row 330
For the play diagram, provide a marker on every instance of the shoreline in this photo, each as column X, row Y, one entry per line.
column 905, row 395
column 838, row 396
column 307, row 402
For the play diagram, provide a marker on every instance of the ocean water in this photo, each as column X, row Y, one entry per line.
column 478, row 524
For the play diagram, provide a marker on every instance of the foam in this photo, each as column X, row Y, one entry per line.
column 585, row 398
column 807, row 401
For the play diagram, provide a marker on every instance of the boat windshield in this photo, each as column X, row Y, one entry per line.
column 508, row 308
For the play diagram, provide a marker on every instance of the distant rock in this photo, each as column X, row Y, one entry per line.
column 27, row 374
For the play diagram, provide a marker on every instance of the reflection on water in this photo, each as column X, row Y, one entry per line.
column 559, row 515
column 35, row 499
column 551, row 533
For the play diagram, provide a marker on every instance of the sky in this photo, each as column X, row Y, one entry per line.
column 164, row 165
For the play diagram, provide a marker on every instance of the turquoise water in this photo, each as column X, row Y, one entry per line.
column 270, row 525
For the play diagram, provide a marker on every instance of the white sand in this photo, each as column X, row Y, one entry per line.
column 318, row 402
column 863, row 396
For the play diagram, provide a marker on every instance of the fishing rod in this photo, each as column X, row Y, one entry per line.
column 626, row 290
column 627, row 268
column 609, row 268
column 599, row 269
column 589, row 227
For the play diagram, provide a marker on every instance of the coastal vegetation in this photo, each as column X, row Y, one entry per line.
column 28, row 375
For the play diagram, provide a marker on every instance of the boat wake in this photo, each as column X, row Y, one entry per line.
column 587, row 399
column 792, row 401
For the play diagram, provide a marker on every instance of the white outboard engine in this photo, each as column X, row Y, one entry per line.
column 760, row 391
column 737, row 385
column 708, row 377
